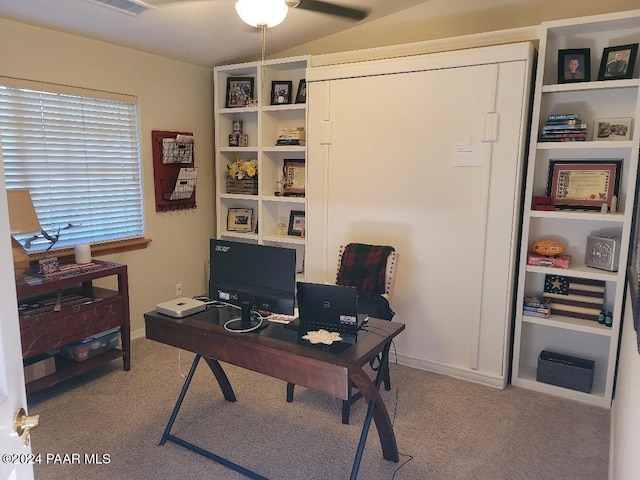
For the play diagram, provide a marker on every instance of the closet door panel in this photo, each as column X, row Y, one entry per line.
column 392, row 180
column 425, row 153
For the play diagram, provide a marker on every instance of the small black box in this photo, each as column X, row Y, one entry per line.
column 565, row 371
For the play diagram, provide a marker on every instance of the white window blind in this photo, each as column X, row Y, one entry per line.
column 79, row 156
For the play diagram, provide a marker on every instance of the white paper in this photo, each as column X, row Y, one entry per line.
column 468, row 155
column 185, row 183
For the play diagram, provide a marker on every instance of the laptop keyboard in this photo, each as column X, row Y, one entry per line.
column 332, row 328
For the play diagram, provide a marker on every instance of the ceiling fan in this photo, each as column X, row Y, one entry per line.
column 273, row 12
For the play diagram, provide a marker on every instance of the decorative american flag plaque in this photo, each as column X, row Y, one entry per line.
column 574, row 297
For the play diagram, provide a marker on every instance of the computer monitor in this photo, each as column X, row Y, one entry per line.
column 264, row 276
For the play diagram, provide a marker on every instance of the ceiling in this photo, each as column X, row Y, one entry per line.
column 202, row 32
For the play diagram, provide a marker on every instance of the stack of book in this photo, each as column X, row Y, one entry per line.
column 291, row 136
column 536, row 307
column 566, row 127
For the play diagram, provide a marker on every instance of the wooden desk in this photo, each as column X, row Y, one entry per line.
column 275, row 352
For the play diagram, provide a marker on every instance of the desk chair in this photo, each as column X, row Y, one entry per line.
column 366, row 268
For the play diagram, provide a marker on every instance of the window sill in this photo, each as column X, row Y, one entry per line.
column 98, row 249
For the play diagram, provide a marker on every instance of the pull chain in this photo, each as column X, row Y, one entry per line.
column 263, row 40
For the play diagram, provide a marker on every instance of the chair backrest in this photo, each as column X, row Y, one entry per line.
column 390, row 271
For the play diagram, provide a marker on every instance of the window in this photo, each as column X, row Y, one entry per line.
column 78, row 153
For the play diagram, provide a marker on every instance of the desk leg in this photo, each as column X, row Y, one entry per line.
column 183, row 392
column 222, row 378
column 228, row 395
column 377, row 411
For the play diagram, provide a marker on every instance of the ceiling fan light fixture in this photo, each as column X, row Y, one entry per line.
column 262, row 12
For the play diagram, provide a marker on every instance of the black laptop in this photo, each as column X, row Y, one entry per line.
column 333, row 308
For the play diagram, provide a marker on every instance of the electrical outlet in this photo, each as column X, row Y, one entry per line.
column 178, row 289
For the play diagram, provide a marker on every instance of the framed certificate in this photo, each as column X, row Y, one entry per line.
column 583, row 184
column 294, row 178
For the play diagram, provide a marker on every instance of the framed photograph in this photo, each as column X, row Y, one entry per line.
column 583, row 184
column 301, row 96
column 281, row 92
column 294, row 178
column 574, row 65
column 296, row 223
column 239, row 92
column 239, row 219
column 618, row 62
column 613, row 129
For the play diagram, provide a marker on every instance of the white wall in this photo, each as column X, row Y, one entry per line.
column 625, row 412
column 172, row 96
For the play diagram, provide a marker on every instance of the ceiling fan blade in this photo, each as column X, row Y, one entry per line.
column 333, row 9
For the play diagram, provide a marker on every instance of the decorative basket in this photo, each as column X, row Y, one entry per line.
column 245, row 186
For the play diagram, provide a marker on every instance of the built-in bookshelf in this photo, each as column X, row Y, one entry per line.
column 261, row 117
column 592, row 100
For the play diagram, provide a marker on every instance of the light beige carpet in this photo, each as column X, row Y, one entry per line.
column 446, row 429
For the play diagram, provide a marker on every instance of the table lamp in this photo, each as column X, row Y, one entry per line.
column 22, row 219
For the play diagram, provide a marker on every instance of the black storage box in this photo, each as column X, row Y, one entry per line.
column 565, row 371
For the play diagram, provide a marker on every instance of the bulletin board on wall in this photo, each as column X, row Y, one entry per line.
column 174, row 172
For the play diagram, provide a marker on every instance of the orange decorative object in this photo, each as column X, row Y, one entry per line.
column 548, row 248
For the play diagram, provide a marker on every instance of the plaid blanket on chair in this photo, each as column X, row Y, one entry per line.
column 364, row 267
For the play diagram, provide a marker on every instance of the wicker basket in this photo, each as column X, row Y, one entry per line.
column 245, row 186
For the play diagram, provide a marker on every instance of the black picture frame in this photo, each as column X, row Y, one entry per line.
column 618, row 62
column 569, row 182
column 281, row 92
column 574, row 65
column 239, row 92
column 301, row 95
column 296, row 223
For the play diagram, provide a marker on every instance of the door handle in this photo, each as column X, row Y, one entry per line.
column 23, row 423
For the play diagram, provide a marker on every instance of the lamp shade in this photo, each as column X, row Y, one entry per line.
column 262, row 12
column 22, row 214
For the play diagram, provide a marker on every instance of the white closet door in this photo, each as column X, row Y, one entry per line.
column 400, row 159
column 391, row 180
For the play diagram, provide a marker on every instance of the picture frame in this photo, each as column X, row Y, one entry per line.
column 583, row 184
column 240, row 92
column 301, row 95
column 618, row 62
column 240, row 219
column 281, row 92
column 612, row 129
column 574, row 65
column 294, row 178
column 296, row 223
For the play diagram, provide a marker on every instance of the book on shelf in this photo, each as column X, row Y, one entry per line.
column 536, row 310
column 536, row 302
column 536, row 314
column 536, row 307
column 563, row 116
column 291, row 136
column 564, row 128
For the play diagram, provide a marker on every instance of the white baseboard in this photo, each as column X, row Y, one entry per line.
column 452, row 371
column 138, row 334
